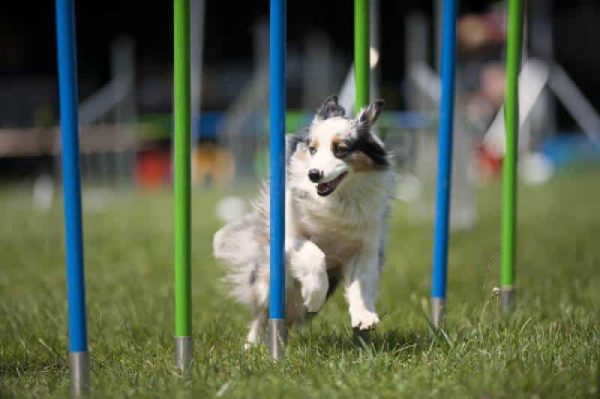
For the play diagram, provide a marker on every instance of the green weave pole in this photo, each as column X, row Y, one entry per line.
column 361, row 53
column 182, row 155
column 509, row 174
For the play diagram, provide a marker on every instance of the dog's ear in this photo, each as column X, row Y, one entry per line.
column 295, row 142
column 370, row 114
column 330, row 109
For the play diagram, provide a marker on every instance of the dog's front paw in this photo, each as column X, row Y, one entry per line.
column 314, row 288
column 364, row 320
column 308, row 266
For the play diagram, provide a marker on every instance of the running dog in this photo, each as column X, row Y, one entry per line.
column 339, row 183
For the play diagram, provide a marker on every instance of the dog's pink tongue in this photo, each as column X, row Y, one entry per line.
column 322, row 187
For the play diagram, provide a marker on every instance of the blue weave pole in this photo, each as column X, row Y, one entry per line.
column 277, row 178
column 67, row 79
column 442, row 211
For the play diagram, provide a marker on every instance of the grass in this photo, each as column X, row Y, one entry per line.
column 549, row 348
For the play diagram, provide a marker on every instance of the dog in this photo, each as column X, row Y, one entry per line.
column 339, row 184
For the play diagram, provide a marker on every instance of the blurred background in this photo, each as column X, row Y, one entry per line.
column 125, row 92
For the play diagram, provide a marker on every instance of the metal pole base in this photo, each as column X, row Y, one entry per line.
column 277, row 338
column 184, row 352
column 507, row 299
column 437, row 312
column 80, row 373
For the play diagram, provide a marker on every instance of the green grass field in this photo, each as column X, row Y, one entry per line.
column 549, row 348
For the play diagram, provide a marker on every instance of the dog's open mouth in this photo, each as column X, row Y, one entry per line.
column 324, row 189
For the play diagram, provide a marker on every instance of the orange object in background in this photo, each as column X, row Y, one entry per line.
column 153, row 168
column 213, row 165
column 488, row 165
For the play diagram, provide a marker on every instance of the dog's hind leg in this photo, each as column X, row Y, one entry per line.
column 256, row 328
column 260, row 305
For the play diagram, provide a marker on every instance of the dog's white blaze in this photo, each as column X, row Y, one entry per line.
column 324, row 133
column 332, row 127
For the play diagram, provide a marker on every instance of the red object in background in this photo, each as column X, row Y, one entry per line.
column 153, row 167
column 489, row 166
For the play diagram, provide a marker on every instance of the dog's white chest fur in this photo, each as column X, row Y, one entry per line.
column 340, row 225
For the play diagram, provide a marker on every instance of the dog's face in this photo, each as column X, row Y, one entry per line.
column 340, row 147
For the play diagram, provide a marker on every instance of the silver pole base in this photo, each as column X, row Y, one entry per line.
column 437, row 312
column 277, row 338
column 507, row 299
column 80, row 373
column 184, row 352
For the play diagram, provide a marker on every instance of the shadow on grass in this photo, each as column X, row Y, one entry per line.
column 392, row 342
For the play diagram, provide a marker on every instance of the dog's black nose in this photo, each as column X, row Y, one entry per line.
column 315, row 175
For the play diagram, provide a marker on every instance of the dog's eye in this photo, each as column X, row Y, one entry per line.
column 312, row 150
column 340, row 150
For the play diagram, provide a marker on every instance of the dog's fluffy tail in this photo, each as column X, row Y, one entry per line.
column 238, row 246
